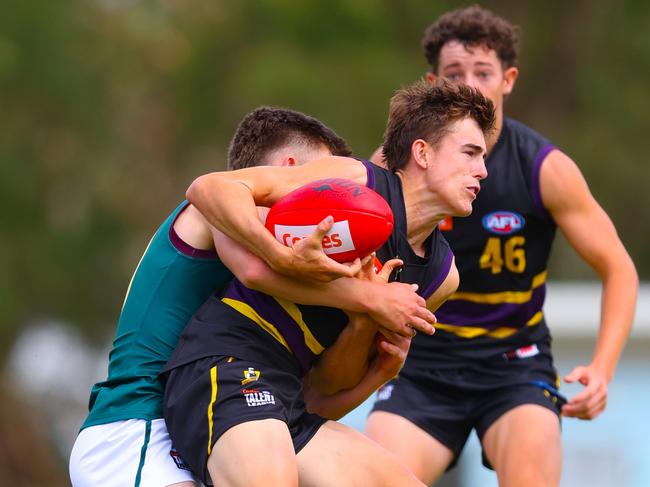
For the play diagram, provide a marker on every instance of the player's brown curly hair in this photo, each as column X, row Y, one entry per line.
column 472, row 26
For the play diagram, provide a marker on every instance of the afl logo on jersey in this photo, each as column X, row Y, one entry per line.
column 503, row 222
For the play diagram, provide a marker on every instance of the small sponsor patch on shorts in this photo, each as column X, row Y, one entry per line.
column 521, row 353
column 250, row 375
column 258, row 398
column 180, row 463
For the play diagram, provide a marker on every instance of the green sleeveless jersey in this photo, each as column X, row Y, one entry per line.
column 169, row 285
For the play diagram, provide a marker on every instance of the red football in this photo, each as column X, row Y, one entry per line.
column 362, row 218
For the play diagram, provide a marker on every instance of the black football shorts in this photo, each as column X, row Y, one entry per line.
column 449, row 412
column 205, row 398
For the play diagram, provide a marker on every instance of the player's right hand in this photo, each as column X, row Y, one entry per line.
column 396, row 306
column 592, row 400
column 400, row 309
column 307, row 260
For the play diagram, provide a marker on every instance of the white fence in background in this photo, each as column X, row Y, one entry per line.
column 572, row 309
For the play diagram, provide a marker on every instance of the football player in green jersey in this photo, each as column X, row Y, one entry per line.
column 124, row 440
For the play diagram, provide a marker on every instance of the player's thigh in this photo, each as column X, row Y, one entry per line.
column 425, row 456
column 524, row 446
column 340, row 456
column 224, row 404
column 120, row 453
column 254, row 453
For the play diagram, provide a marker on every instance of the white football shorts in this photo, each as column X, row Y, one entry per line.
column 131, row 453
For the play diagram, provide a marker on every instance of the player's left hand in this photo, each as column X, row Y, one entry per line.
column 590, row 402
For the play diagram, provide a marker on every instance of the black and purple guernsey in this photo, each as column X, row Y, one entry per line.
column 501, row 252
column 255, row 326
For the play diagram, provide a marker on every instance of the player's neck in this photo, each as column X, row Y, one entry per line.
column 422, row 213
column 493, row 138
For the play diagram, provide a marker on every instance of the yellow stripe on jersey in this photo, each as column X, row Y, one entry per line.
column 128, row 289
column 537, row 317
column 249, row 312
column 213, row 399
column 475, row 331
column 512, row 297
column 293, row 311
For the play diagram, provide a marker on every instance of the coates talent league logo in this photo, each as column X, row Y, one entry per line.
column 503, row 222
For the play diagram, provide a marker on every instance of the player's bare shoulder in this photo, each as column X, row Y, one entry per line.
column 562, row 184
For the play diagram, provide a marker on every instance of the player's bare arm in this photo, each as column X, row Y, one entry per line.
column 395, row 306
column 592, row 234
column 446, row 289
column 384, row 365
column 193, row 229
column 343, row 364
column 228, row 200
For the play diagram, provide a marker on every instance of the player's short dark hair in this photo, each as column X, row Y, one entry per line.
column 425, row 111
column 267, row 129
column 472, row 26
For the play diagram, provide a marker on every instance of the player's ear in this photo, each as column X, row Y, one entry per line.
column 419, row 153
column 510, row 76
column 289, row 161
column 431, row 77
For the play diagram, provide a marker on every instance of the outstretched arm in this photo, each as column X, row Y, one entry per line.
column 592, row 234
column 228, row 200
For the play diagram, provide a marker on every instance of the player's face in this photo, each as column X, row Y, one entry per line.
column 457, row 167
column 479, row 67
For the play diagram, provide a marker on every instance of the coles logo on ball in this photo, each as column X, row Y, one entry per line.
column 336, row 241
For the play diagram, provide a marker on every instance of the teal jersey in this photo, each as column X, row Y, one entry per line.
column 170, row 284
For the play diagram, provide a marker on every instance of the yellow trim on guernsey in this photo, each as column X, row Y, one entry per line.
column 293, row 311
column 475, row 331
column 249, row 312
column 512, row 297
column 128, row 289
column 213, row 399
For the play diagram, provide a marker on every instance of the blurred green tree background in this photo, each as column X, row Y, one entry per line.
column 109, row 109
